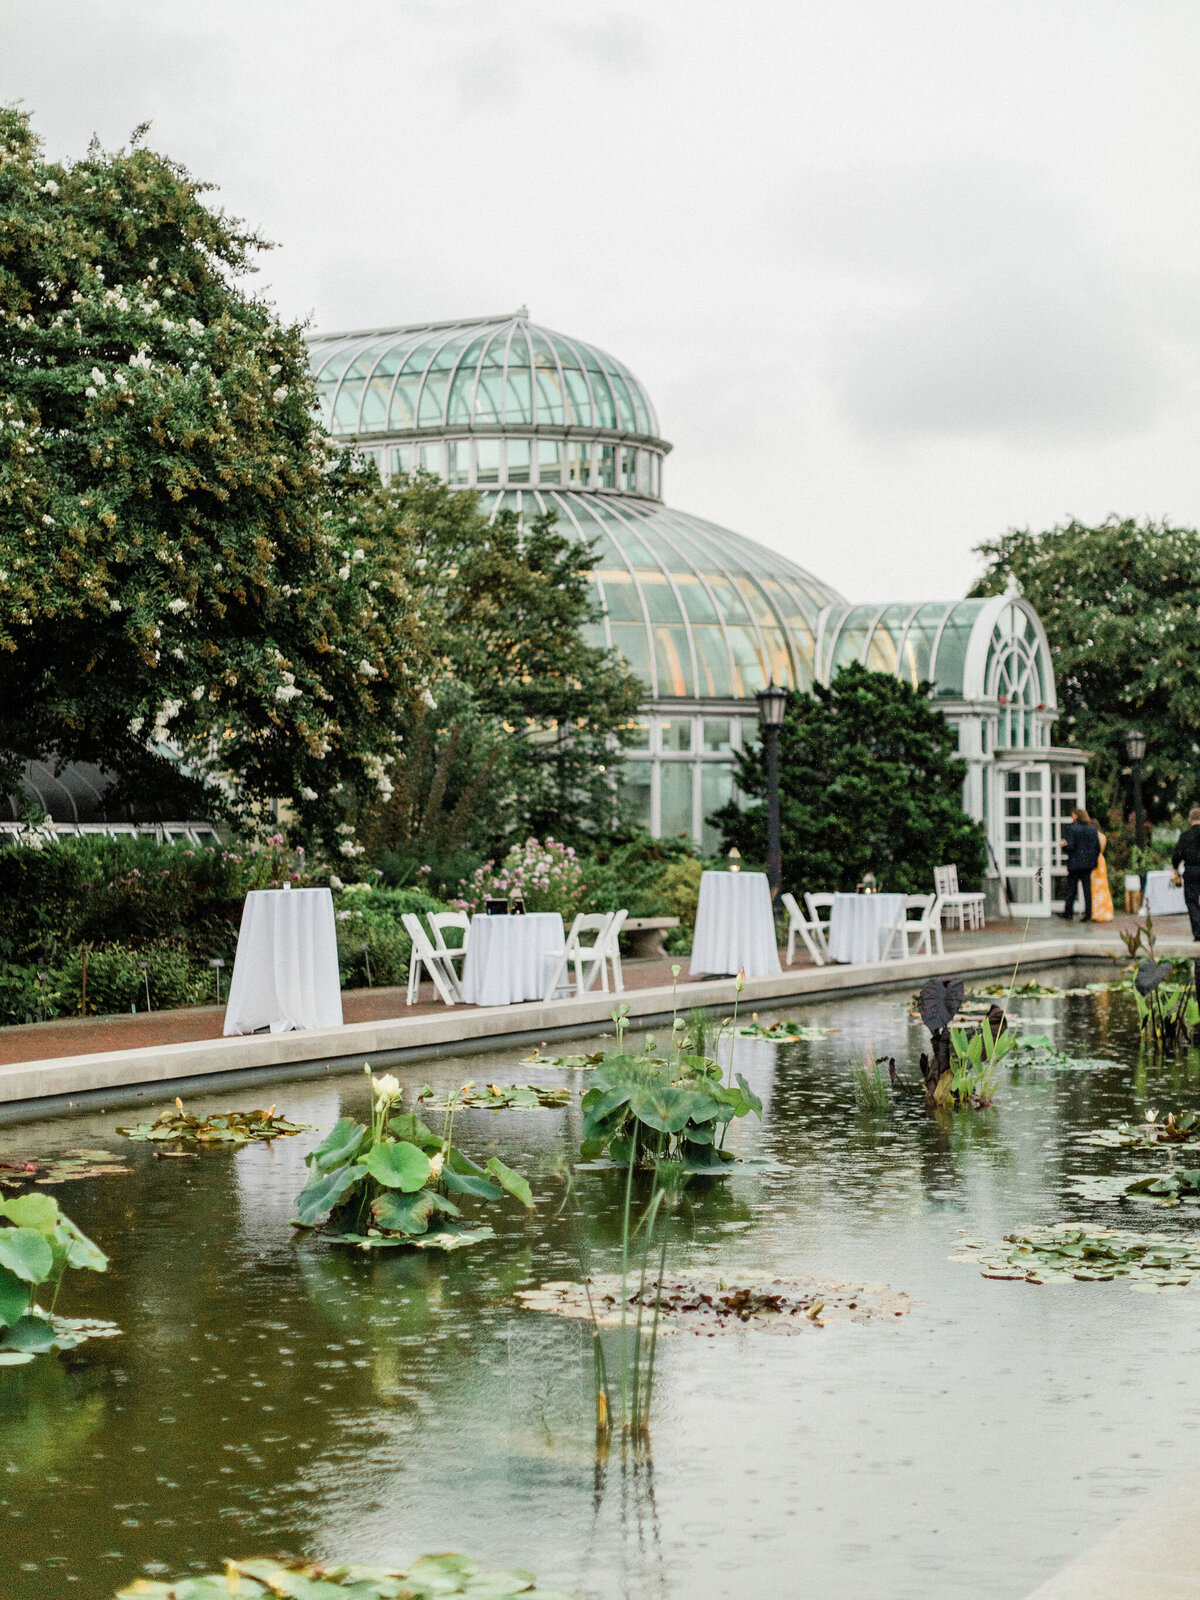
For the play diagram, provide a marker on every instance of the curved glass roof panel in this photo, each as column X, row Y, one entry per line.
column 505, row 371
column 680, row 602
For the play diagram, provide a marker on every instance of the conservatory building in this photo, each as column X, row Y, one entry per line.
column 535, row 421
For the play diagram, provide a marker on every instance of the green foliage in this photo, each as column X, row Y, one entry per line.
column 187, row 592
column 221, row 1127
column 442, row 1577
column 1120, row 603
column 372, row 917
column 872, row 1085
column 1172, row 1130
column 390, row 1184
column 525, row 710
column 869, row 783
column 117, row 978
column 38, row 1245
column 504, row 1097
column 645, row 1109
column 1154, row 1264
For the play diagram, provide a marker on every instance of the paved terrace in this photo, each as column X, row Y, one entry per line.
column 54, row 1065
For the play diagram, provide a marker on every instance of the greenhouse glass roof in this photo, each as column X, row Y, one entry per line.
column 697, row 611
column 492, row 373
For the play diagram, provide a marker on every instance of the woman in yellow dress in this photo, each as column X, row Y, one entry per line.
column 1102, row 906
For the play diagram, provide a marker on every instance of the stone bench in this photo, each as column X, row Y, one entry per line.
column 646, row 936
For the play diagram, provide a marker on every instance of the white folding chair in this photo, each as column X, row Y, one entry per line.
column 439, row 921
column 424, row 955
column 597, row 956
column 964, row 907
column 926, row 927
column 818, row 903
column 810, row 931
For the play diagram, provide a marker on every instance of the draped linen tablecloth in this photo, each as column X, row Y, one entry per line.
column 504, row 962
column 859, row 924
column 735, row 928
column 1162, row 899
column 285, row 973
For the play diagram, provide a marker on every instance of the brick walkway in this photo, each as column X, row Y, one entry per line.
column 85, row 1036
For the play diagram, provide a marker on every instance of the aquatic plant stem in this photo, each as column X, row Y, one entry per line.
column 625, row 1278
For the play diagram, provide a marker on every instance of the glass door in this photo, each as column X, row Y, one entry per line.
column 1027, row 838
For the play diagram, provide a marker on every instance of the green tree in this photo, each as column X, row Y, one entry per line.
column 868, row 783
column 1121, row 607
column 524, row 731
column 180, row 588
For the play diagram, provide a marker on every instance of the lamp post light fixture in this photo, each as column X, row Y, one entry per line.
column 1135, row 749
column 772, row 703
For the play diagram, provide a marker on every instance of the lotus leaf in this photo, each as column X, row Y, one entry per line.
column 323, row 1192
column 407, row 1126
column 397, row 1165
column 511, row 1181
column 14, row 1297
column 26, row 1253
column 1170, row 1130
column 445, row 1577
column 468, row 1183
column 342, row 1143
column 785, row 1029
column 32, row 1211
column 404, row 1213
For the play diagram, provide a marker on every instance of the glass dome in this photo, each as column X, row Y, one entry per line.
column 535, row 421
column 495, row 373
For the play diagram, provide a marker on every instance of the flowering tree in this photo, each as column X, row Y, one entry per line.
column 184, row 584
column 547, row 875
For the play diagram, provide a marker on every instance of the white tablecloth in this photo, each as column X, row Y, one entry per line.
column 1161, row 898
column 504, row 958
column 285, row 974
column 858, row 926
column 735, row 929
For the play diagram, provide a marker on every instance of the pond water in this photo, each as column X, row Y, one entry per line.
column 271, row 1394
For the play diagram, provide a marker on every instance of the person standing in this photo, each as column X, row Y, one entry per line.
column 1186, row 860
column 1102, row 906
column 1081, row 841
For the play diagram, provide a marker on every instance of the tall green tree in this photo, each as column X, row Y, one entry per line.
column 1121, row 607
column 526, row 720
column 181, row 587
column 869, row 782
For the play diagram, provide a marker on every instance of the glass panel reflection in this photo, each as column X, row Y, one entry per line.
column 675, row 736
column 675, row 799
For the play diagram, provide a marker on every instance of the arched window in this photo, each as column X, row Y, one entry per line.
column 1014, row 679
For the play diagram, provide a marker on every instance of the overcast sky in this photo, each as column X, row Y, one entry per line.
column 898, row 275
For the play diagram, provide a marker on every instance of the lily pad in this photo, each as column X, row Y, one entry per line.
column 63, row 1168
column 1153, row 1263
column 222, row 1127
column 706, row 1305
column 1184, row 1129
column 445, row 1577
column 504, row 1097
column 569, row 1063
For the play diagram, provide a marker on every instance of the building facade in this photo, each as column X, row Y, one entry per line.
column 535, row 421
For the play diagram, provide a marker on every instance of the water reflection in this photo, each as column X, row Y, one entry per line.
column 272, row 1393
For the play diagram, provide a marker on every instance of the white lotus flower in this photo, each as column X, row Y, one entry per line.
column 435, row 1165
column 386, row 1088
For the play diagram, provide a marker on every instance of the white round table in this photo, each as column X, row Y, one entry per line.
column 285, row 973
column 735, row 929
column 504, row 962
column 859, row 924
column 1162, row 899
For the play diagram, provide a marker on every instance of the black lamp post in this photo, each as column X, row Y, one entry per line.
column 772, row 703
column 1135, row 749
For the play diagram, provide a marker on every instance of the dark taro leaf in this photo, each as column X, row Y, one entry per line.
column 1150, row 974
column 939, row 1001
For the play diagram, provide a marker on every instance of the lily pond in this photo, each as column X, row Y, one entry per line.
column 273, row 1394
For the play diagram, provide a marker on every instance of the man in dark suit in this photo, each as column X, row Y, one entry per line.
column 1186, row 860
column 1081, row 841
